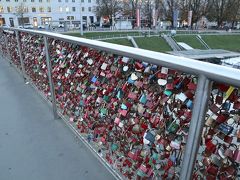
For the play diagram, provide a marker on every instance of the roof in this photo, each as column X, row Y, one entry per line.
column 205, row 54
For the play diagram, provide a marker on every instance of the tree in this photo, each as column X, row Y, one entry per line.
column 109, row 8
column 20, row 11
column 130, row 9
column 223, row 10
column 198, row 7
column 234, row 14
column 167, row 7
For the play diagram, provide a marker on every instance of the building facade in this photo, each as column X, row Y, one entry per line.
column 41, row 12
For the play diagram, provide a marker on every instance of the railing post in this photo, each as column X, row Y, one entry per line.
column 20, row 55
column 1, row 50
column 196, row 126
column 49, row 66
column 8, row 52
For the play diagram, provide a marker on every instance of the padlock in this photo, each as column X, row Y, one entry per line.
column 225, row 128
column 236, row 155
column 214, row 108
column 182, row 97
column 216, row 160
column 192, row 85
column 226, row 105
column 143, row 99
column 175, row 145
column 236, row 105
column 230, row 171
column 211, row 146
column 210, row 121
column 212, row 170
column 229, row 152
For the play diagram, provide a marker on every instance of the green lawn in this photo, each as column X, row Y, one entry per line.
column 153, row 44
column 102, row 34
column 122, row 41
column 227, row 42
column 190, row 40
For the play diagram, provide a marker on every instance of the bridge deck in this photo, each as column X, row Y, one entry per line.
column 32, row 144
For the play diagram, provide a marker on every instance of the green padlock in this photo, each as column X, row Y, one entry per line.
column 168, row 92
column 155, row 156
column 103, row 111
column 140, row 173
column 173, row 127
column 114, row 147
column 119, row 94
column 106, row 98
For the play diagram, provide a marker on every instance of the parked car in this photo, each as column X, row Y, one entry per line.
column 97, row 24
column 106, row 25
column 5, row 26
column 41, row 27
column 28, row 26
column 61, row 26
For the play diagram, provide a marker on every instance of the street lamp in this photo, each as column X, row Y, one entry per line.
column 81, row 20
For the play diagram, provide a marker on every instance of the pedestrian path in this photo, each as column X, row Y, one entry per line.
column 34, row 146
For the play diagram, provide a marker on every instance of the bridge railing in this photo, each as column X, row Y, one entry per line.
column 143, row 114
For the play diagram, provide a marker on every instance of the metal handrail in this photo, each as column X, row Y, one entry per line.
column 206, row 73
column 211, row 71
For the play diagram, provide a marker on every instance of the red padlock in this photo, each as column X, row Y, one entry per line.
column 236, row 155
column 211, row 146
column 212, row 170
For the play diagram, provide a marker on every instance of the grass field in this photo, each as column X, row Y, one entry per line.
column 227, row 42
column 191, row 40
column 122, row 41
column 153, row 44
column 149, row 43
column 102, row 34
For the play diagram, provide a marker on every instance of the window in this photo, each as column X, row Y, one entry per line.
column 45, row 20
column 82, row 1
column 49, row 9
column 24, row 0
column 25, row 9
column 67, row 9
column 66, row 1
column 35, row 21
column 89, row 1
column 91, row 19
column 40, row 1
column 48, row 1
column 89, row 9
column 73, row 0
column 82, row 9
column 60, row 9
column 59, row 0
column 70, row 17
column 11, row 22
column 1, row 9
column 16, row 0
column 41, row 9
column 73, row 9
column 33, row 9
column 9, row 9
column 32, row 0
column 7, row 0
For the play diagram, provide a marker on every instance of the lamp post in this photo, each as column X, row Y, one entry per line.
column 81, row 20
